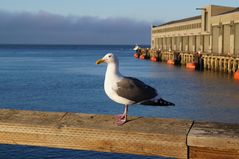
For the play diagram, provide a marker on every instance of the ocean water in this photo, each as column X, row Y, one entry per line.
column 66, row 79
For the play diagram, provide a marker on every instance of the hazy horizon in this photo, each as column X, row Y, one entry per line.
column 91, row 22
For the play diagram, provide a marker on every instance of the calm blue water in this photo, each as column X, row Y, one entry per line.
column 66, row 78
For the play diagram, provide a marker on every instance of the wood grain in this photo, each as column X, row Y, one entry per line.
column 214, row 140
column 146, row 136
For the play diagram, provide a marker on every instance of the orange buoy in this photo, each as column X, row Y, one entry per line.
column 170, row 62
column 142, row 57
column 191, row 65
column 236, row 75
column 153, row 58
column 136, row 55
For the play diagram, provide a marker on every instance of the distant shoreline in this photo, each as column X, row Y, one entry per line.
column 72, row 45
column 69, row 46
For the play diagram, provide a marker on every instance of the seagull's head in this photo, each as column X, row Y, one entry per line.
column 108, row 58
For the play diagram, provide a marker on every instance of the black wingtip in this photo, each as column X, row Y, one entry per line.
column 158, row 102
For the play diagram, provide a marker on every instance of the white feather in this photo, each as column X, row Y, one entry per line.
column 112, row 76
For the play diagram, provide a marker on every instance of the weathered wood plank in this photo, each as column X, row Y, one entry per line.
column 213, row 140
column 209, row 153
column 146, row 136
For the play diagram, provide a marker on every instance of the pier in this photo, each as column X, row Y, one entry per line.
column 212, row 62
column 175, row 138
column 213, row 35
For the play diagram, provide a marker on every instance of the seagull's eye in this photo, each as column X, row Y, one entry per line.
column 109, row 56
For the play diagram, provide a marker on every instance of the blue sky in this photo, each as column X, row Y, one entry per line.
column 91, row 21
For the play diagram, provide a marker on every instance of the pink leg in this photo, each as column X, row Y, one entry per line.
column 122, row 118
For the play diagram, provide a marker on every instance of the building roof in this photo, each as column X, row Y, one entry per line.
column 234, row 10
column 181, row 20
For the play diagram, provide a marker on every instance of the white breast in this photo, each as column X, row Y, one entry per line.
column 110, row 86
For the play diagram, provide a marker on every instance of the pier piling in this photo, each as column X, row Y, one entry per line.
column 221, row 63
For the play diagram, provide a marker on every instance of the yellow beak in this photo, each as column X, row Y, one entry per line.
column 100, row 61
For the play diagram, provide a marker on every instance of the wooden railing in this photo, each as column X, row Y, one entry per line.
column 146, row 136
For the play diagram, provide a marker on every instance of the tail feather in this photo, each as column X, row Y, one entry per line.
column 157, row 102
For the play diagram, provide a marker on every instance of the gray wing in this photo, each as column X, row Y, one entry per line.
column 135, row 90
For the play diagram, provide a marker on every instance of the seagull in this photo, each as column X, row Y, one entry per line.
column 127, row 90
column 136, row 47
